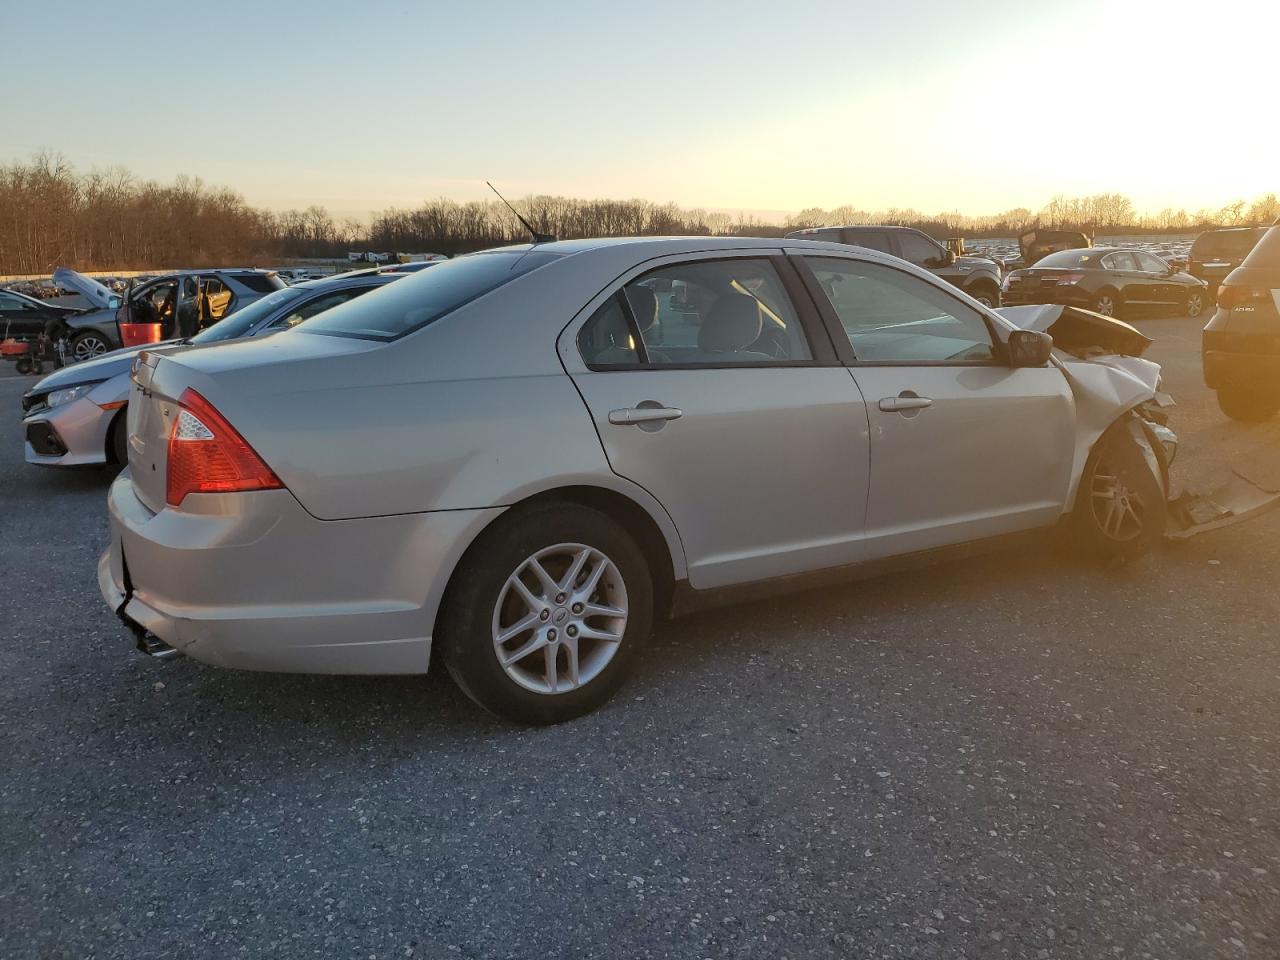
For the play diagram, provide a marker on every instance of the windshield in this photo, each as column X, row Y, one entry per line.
column 1070, row 258
column 244, row 320
column 426, row 296
column 1232, row 244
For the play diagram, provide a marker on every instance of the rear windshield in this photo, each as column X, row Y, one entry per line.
column 425, row 296
column 1267, row 252
column 240, row 322
column 1070, row 258
column 259, row 282
column 1232, row 244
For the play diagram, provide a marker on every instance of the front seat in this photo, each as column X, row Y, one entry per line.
column 731, row 325
column 644, row 307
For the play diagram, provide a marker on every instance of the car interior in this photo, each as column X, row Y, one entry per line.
column 708, row 313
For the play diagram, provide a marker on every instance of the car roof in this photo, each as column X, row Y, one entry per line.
column 342, row 280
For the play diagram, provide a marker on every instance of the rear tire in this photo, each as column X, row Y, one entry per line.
column 1107, row 303
column 987, row 294
column 1248, row 405
column 1120, row 507
column 567, row 667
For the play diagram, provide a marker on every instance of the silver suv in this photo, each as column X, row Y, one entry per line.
column 976, row 276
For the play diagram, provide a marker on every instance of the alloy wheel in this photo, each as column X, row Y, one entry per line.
column 1118, row 510
column 560, row 618
column 86, row 348
column 1106, row 306
column 1195, row 303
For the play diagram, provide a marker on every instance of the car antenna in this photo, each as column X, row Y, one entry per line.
column 537, row 237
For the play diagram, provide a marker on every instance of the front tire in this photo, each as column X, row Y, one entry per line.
column 119, row 434
column 1248, row 405
column 547, row 613
column 1120, row 508
column 87, row 345
column 1195, row 303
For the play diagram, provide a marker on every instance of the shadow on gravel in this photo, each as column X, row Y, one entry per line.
column 404, row 715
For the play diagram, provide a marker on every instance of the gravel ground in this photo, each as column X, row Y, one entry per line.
column 1017, row 756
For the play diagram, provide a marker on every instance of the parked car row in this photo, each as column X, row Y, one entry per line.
column 77, row 416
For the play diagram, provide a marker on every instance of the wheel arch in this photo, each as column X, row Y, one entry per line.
column 119, row 421
column 657, row 540
column 1130, row 418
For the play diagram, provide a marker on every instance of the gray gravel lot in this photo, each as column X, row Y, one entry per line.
column 1016, row 756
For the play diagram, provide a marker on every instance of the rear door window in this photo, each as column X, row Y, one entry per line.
column 871, row 239
column 717, row 313
column 917, row 249
column 1121, row 260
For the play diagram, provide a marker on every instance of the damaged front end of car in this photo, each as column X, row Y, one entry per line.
column 1102, row 358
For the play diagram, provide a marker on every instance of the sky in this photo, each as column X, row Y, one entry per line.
column 766, row 107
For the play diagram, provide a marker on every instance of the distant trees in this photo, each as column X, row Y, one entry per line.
column 51, row 215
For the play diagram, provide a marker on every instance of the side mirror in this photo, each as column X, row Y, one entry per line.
column 1029, row 348
column 948, row 257
column 113, row 303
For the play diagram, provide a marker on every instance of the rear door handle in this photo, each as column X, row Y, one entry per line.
column 905, row 401
column 635, row 415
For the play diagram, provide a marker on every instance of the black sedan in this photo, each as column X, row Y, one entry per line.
column 25, row 318
column 1106, row 280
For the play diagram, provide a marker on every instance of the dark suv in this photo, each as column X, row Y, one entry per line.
column 976, row 276
column 1217, row 252
column 1241, row 344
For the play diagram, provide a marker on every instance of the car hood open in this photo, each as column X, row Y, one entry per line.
column 93, row 291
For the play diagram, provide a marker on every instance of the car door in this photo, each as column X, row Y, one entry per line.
column 963, row 446
column 1128, row 278
column 716, row 389
column 1162, row 289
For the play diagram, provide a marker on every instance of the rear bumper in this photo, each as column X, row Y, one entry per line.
column 80, row 429
column 252, row 581
column 1069, row 296
column 1241, row 359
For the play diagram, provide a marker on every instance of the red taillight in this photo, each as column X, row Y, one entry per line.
column 1231, row 295
column 206, row 455
column 1070, row 278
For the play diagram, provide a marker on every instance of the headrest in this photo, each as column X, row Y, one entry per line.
column 732, row 324
column 644, row 304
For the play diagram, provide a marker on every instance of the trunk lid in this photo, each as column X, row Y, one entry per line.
column 236, row 377
column 150, row 419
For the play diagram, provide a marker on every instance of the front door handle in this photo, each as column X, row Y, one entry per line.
column 638, row 415
column 905, row 401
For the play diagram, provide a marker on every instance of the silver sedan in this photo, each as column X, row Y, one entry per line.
column 523, row 456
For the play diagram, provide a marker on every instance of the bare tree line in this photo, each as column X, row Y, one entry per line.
column 52, row 215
